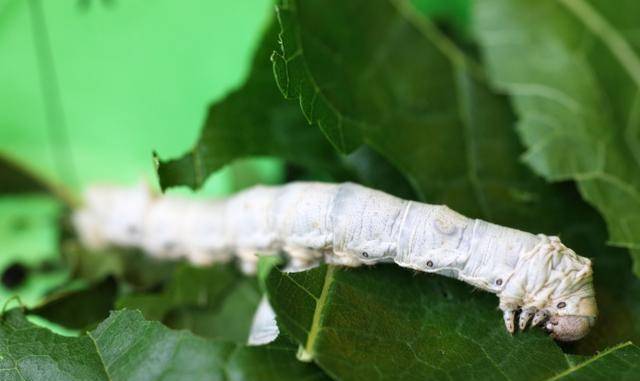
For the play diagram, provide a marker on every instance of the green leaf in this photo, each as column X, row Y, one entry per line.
column 214, row 301
column 188, row 286
column 81, row 308
column 621, row 362
column 420, row 107
column 137, row 269
column 29, row 352
column 14, row 179
column 448, row 133
column 127, row 347
column 454, row 13
column 373, row 170
column 573, row 73
column 254, row 120
column 230, row 319
column 385, row 323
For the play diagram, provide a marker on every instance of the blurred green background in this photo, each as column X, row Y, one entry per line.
column 123, row 78
column 89, row 89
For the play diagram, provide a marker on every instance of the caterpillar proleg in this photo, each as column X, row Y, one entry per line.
column 351, row 225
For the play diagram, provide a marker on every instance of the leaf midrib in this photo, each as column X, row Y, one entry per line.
column 316, row 322
column 104, row 363
column 589, row 361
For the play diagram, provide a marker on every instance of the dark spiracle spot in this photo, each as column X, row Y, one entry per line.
column 14, row 275
column 365, row 254
column 429, row 263
column 132, row 230
column 562, row 305
column 499, row 282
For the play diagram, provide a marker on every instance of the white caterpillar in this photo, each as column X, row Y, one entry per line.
column 347, row 224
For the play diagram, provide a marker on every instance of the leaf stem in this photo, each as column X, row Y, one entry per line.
column 317, row 313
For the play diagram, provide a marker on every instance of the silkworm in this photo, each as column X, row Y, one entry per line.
column 351, row 225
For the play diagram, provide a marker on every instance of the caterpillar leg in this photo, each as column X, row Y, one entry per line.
column 525, row 316
column 338, row 258
column 247, row 260
column 208, row 257
column 539, row 317
column 509, row 316
column 302, row 258
column 510, row 313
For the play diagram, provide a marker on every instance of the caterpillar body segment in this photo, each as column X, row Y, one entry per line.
column 351, row 225
column 113, row 216
column 366, row 224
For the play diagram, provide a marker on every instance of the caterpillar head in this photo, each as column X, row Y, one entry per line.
column 112, row 215
column 572, row 304
column 556, row 285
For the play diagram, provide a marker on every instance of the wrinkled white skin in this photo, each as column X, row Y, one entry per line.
column 350, row 225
